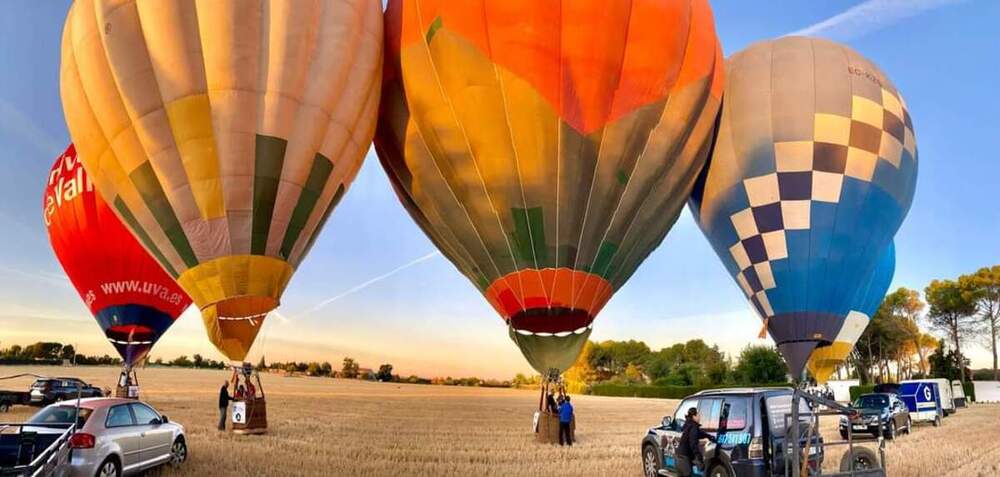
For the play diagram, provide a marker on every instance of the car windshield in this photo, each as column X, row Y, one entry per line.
column 871, row 402
column 781, row 405
column 60, row 415
column 40, row 383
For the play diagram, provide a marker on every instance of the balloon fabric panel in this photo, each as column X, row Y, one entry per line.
column 813, row 169
column 547, row 148
column 132, row 298
column 224, row 133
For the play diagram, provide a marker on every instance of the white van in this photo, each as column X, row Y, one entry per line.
column 944, row 387
column 958, row 394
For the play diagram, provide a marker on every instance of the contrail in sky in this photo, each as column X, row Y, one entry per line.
column 870, row 16
column 368, row 283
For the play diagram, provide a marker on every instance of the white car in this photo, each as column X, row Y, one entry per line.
column 115, row 436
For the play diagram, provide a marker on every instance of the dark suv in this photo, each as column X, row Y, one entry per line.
column 46, row 391
column 878, row 408
column 750, row 425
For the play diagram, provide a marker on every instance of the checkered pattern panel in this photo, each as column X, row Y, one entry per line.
column 813, row 171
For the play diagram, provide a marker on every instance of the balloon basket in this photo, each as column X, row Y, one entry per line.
column 249, row 409
column 547, row 428
column 254, row 420
column 128, row 385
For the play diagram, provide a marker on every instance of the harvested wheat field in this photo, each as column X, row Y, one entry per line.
column 322, row 426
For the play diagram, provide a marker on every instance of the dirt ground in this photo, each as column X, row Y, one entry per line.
column 322, row 426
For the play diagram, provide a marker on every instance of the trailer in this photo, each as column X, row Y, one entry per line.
column 9, row 399
column 944, row 388
column 923, row 399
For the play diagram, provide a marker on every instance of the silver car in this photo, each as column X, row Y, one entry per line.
column 116, row 436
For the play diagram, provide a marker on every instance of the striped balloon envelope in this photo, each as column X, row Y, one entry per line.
column 812, row 171
column 132, row 298
column 546, row 147
column 826, row 359
column 223, row 133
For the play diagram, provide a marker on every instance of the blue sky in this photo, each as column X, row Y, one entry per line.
column 382, row 294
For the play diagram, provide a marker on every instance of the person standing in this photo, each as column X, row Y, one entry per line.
column 224, row 399
column 688, row 451
column 565, row 422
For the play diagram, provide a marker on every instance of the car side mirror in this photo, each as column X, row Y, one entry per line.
column 163, row 419
column 667, row 421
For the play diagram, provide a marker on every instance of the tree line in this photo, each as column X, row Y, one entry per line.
column 51, row 353
column 963, row 311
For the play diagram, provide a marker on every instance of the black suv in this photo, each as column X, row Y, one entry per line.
column 876, row 408
column 749, row 424
column 49, row 390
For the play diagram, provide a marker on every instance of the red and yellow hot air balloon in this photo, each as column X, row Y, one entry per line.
column 132, row 298
column 223, row 133
column 546, row 147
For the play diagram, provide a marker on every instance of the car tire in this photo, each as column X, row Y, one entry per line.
column 909, row 426
column 651, row 464
column 719, row 470
column 890, row 430
column 861, row 458
column 178, row 452
column 937, row 420
column 843, row 435
column 109, row 468
column 4, row 406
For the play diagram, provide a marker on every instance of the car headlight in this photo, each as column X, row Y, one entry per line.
column 843, row 420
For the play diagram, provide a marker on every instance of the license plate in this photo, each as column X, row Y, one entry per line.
column 859, row 427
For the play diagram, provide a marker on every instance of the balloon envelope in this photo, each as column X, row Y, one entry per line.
column 132, row 298
column 546, row 148
column 825, row 359
column 812, row 172
column 223, row 134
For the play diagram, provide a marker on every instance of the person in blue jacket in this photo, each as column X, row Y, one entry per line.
column 565, row 419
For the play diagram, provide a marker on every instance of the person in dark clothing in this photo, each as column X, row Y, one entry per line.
column 565, row 420
column 688, row 451
column 550, row 403
column 223, row 404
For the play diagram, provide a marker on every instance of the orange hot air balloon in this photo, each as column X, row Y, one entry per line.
column 546, row 147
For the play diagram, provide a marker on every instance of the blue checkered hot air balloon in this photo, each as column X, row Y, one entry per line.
column 811, row 173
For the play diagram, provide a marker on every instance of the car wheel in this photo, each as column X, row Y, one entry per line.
column 860, row 458
column 890, row 430
column 109, row 468
column 178, row 452
column 4, row 406
column 719, row 470
column 650, row 461
column 843, row 435
column 937, row 420
column 909, row 426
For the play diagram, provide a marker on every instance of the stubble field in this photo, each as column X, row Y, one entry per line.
column 322, row 426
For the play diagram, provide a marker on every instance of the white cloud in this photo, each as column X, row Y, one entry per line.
column 869, row 16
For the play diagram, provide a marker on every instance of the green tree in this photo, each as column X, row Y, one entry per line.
column 198, row 361
column 581, row 375
column 67, row 352
column 384, row 373
column 313, row 369
column 760, row 364
column 906, row 304
column 952, row 311
column 261, row 364
column 947, row 364
column 326, row 368
column 985, row 286
column 350, row 368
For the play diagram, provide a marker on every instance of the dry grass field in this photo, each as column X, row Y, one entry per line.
column 321, row 426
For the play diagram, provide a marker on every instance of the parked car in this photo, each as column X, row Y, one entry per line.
column 749, row 424
column 9, row 399
column 49, row 390
column 945, row 391
column 114, row 436
column 880, row 413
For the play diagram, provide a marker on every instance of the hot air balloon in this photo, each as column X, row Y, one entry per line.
column 812, row 171
column 826, row 359
column 223, row 133
column 546, row 148
column 132, row 298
